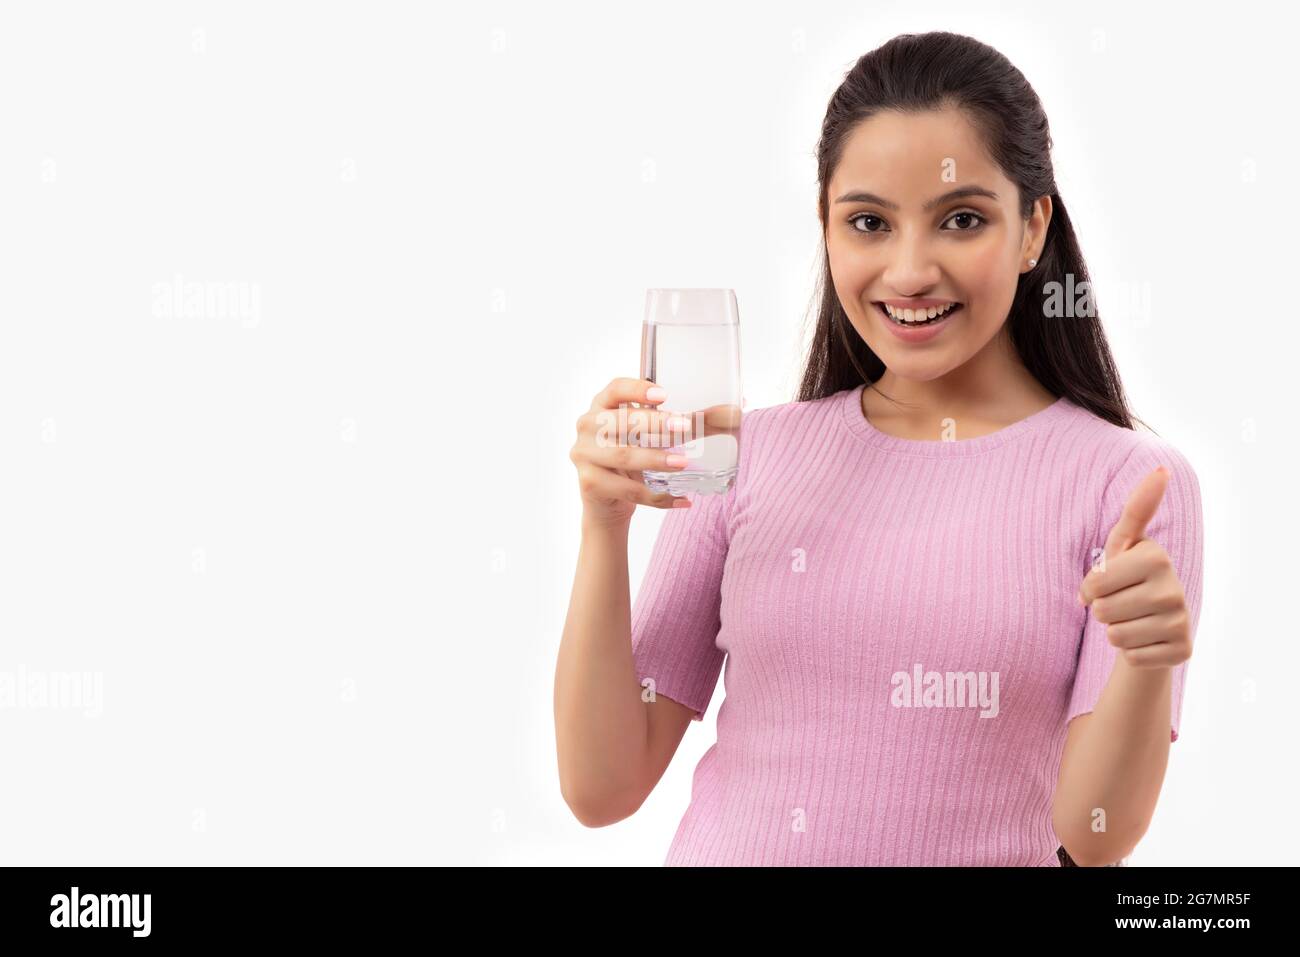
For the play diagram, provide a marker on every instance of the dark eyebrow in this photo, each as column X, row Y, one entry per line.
column 860, row 197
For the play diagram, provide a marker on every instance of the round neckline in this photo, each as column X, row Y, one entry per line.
column 860, row 425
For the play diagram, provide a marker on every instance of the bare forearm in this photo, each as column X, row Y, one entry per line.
column 600, row 721
column 1116, row 767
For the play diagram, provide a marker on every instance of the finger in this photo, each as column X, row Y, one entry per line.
column 623, row 390
column 1138, row 511
column 629, row 459
column 640, row 428
column 1147, row 630
column 645, row 427
column 1127, row 568
column 651, row 428
column 1163, row 654
column 1136, row 601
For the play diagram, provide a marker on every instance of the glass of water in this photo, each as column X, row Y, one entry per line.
column 690, row 346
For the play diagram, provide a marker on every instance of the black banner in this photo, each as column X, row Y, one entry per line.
column 136, row 906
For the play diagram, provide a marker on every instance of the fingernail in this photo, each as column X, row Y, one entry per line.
column 655, row 393
column 676, row 461
column 681, row 503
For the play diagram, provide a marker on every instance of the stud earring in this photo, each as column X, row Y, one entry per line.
column 1033, row 263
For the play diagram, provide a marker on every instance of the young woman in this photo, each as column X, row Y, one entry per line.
column 954, row 588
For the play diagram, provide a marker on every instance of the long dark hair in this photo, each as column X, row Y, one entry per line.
column 916, row 72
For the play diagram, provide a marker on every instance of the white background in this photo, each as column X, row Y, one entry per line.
column 319, row 554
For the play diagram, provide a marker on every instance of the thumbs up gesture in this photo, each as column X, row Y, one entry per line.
column 1134, row 589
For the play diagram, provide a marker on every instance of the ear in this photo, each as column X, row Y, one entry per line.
column 1036, row 229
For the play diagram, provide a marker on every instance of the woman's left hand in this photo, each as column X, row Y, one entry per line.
column 1133, row 587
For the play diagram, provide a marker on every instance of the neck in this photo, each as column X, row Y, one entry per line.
column 993, row 385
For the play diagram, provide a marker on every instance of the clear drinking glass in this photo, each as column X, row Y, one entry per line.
column 690, row 345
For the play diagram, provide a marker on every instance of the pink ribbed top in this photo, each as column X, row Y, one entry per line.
column 902, row 641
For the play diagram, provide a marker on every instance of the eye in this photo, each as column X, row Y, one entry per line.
column 968, row 216
column 862, row 217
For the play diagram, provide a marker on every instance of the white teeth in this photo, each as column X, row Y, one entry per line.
column 918, row 315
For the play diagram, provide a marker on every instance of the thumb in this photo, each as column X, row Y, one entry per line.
column 1138, row 512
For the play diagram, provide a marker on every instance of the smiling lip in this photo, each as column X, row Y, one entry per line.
column 917, row 303
column 919, row 333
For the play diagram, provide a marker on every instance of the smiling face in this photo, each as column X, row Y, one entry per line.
column 896, row 236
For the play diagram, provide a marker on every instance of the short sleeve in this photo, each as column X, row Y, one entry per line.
column 1178, row 527
column 676, row 615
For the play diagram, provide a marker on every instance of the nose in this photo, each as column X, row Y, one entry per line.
column 912, row 268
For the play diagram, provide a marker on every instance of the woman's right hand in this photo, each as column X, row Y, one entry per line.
column 609, row 459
